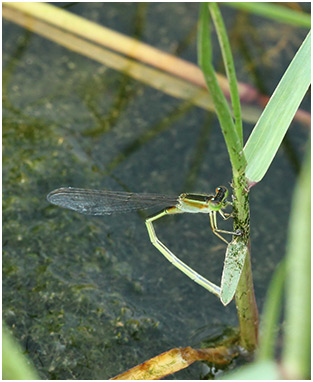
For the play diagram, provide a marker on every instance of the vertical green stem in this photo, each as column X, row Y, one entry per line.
column 245, row 298
column 247, row 309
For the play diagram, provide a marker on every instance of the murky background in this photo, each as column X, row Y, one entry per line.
column 89, row 297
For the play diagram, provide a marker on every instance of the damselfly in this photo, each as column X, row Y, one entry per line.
column 96, row 202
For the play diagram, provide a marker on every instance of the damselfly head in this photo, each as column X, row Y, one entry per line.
column 217, row 201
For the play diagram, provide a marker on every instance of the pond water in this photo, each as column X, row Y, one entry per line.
column 89, row 297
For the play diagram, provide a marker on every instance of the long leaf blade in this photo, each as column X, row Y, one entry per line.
column 297, row 327
column 232, row 139
column 272, row 126
column 275, row 12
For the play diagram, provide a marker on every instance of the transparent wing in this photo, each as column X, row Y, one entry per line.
column 96, row 202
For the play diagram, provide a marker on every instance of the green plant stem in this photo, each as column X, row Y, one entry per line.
column 247, row 310
column 245, row 299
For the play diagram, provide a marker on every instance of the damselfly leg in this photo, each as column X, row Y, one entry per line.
column 95, row 202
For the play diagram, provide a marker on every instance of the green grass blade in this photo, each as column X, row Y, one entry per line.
column 271, row 313
column 256, row 371
column 272, row 126
column 296, row 353
column 15, row 365
column 232, row 139
column 233, row 265
column 229, row 65
column 274, row 12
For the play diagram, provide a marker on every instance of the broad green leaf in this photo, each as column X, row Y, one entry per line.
column 272, row 126
column 233, row 265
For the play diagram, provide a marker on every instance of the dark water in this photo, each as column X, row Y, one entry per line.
column 89, row 297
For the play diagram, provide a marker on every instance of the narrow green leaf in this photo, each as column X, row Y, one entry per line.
column 232, row 139
column 275, row 12
column 296, row 354
column 263, row 370
column 233, row 265
column 229, row 65
column 272, row 126
column 271, row 313
column 204, row 39
column 15, row 365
